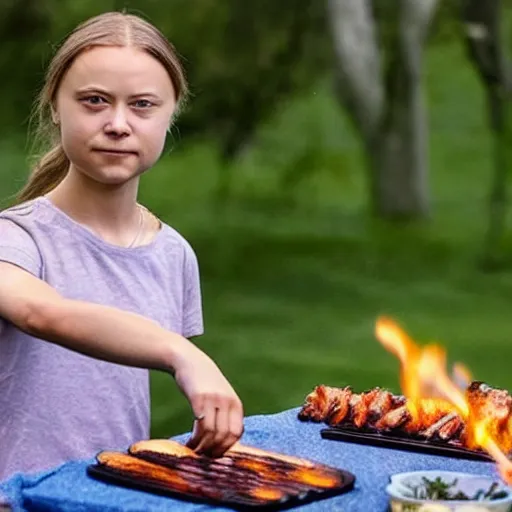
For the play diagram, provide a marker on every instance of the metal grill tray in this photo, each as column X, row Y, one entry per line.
column 230, row 496
column 401, row 442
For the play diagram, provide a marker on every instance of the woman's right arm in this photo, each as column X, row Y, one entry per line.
column 126, row 338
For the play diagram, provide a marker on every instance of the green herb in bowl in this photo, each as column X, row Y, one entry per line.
column 440, row 490
column 447, row 491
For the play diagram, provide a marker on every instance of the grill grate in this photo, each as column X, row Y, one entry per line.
column 240, row 480
column 402, row 442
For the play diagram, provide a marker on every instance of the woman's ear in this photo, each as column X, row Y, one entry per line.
column 55, row 116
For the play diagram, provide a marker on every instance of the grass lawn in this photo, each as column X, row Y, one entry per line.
column 291, row 294
column 293, row 282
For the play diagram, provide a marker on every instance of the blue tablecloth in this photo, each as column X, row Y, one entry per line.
column 68, row 488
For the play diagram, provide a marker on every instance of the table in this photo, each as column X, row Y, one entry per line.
column 68, row 488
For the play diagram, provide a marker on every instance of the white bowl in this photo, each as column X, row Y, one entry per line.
column 401, row 499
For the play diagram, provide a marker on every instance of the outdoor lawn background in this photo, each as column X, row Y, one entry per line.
column 293, row 279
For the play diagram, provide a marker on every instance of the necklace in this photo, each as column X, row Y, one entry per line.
column 141, row 224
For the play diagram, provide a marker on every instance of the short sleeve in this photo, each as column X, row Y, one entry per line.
column 192, row 301
column 18, row 247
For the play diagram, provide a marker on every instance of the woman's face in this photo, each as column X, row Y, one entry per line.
column 114, row 107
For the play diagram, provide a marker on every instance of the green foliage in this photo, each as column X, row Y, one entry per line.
column 447, row 26
column 294, row 293
column 440, row 490
column 241, row 57
column 251, row 55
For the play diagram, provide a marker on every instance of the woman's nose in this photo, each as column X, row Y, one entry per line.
column 118, row 124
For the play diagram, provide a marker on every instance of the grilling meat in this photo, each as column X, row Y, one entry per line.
column 339, row 407
column 378, row 410
column 494, row 406
column 318, row 404
column 162, row 446
column 246, row 475
column 393, row 419
column 485, row 402
column 172, row 450
column 181, row 480
column 451, row 429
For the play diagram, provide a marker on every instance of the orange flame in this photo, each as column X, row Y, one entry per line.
column 428, row 388
column 461, row 376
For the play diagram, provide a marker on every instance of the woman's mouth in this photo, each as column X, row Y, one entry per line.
column 115, row 152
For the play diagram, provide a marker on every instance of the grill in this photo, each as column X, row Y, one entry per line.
column 239, row 480
column 401, row 441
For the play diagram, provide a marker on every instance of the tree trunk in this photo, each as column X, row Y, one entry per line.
column 498, row 196
column 385, row 99
column 485, row 48
column 398, row 161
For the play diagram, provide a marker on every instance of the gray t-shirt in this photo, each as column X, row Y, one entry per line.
column 55, row 404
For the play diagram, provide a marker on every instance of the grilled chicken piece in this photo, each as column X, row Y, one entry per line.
column 487, row 402
column 494, row 407
column 394, row 419
column 340, row 407
column 360, row 413
column 354, row 406
column 430, row 411
column 380, row 405
column 433, row 430
column 398, row 400
column 318, row 403
column 451, row 430
column 163, row 446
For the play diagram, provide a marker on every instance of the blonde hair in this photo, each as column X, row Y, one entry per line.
column 108, row 29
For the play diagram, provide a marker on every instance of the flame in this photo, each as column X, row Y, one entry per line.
column 420, row 371
column 461, row 376
column 431, row 393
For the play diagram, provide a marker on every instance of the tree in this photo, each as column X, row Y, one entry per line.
column 379, row 48
column 486, row 50
column 251, row 56
column 21, row 21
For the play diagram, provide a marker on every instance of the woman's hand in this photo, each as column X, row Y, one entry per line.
column 217, row 409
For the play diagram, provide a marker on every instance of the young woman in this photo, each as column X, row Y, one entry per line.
column 94, row 289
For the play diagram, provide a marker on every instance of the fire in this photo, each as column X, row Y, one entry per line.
column 461, row 376
column 431, row 392
column 423, row 380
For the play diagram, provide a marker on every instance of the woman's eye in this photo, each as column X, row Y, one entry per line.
column 143, row 104
column 94, row 100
